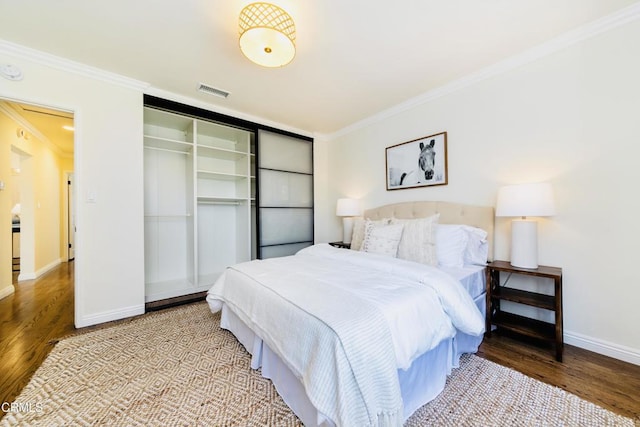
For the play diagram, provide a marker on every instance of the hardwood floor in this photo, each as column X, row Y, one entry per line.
column 31, row 321
column 607, row 382
column 41, row 312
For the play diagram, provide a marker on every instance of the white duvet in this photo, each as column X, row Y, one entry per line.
column 393, row 310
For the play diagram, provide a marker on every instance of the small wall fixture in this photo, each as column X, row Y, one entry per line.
column 267, row 35
column 21, row 133
column 11, row 72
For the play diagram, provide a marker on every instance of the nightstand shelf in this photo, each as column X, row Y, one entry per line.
column 525, row 326
column 525, row 297
column 522, row 325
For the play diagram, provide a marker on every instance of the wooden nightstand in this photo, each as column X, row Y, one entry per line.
column 522, row 325
column 340, row 245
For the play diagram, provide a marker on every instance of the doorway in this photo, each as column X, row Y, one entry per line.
column 43, row 210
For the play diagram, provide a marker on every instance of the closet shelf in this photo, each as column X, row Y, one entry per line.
column 220, row 176
column 220, row 153
column 221, row 200
column 167, row 144
column 187, row 215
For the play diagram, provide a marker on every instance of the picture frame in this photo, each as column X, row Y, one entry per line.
column 420, row 162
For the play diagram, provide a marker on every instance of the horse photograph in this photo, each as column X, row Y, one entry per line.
column 417, row 163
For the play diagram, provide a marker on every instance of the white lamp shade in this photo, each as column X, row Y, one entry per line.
column 348, row 207
column 16, row 209
column 534, row 199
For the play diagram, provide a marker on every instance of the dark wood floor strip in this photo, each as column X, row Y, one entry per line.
column 41, row 312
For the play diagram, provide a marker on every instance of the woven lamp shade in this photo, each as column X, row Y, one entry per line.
column 267, row 35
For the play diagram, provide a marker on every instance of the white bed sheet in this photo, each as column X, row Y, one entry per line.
column 472, row 278
column 415, row 390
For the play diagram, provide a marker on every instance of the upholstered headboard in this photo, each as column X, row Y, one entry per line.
column 450, row 213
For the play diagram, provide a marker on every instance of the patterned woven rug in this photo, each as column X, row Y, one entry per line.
column 178, row 368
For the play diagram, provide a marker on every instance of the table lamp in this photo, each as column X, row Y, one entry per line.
column 347, row 209
column 525, row 200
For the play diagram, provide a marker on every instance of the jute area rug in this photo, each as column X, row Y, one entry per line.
column 178, row 368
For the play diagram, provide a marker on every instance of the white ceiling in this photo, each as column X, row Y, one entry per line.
column 355, row 58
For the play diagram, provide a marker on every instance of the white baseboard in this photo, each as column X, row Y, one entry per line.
column 26, row 276
column 34, row 275
column 48, row 267
column 6, row 291
column 108, row 316
column 617, row 351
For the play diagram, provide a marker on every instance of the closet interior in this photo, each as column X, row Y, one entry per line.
column 203, row 202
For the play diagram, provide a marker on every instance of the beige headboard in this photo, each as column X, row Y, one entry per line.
column 450, row 213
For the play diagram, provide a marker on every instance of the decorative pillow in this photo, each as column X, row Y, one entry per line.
column 382, row 239
column 418, row 243
column 358, row 231
column 451, row 244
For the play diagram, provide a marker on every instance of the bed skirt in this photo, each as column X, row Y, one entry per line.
column 419, row 384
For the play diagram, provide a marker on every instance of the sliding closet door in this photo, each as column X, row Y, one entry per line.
column 285, row 177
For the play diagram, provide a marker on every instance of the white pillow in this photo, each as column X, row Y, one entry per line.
column 418, row 242
column 451, row 244
column 477, row 251
column 357, row 238
column 382, row 239
column 457, row 245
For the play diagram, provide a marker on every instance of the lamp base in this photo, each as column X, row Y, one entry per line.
column 347, row 229
column 524, row 243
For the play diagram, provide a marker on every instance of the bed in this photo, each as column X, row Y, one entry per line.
column 358, row 338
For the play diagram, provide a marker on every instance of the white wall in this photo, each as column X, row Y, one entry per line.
column 109, row 266
column 570, row 118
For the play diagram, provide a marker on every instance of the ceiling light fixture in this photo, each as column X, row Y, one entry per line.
column 267, row 35
column 69, row 128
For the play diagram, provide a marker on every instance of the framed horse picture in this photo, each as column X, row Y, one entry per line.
column 418, row 163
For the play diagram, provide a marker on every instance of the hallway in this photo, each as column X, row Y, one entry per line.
column 31, row 320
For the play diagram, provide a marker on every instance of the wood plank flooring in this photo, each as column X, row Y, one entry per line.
column 31, row 321
column 41, row 312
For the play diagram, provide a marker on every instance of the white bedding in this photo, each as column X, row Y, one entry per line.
column 421, row 306
column 471, row 277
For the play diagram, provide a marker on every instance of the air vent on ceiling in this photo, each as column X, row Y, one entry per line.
column 212, row 90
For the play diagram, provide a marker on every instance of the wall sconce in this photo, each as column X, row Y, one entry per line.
column 525, row 200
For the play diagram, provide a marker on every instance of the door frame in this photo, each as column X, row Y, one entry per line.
column 68, row 240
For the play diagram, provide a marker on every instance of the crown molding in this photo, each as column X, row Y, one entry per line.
column 570, row 38
column 43, row 58
column 160, row 93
